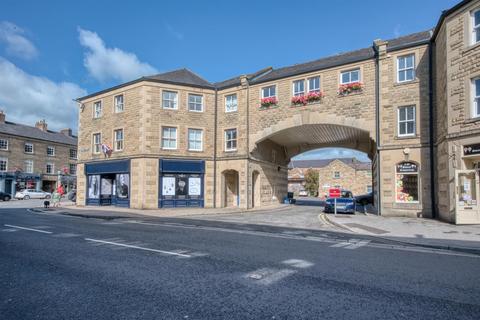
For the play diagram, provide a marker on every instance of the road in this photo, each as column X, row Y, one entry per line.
column 63, row 267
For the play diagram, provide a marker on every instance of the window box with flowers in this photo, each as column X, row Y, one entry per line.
column 266, row 103
column 311, row 97
column 346, row 89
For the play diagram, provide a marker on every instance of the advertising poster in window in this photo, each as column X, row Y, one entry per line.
column 93, row 186
column 194, row 186
column 106, row 187
column 168, row 186
column 123, row 183
column 182, row 187
column 407, row 188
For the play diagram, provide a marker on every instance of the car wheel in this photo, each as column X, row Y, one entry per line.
column 47, row 196
column 6, row 198
column 26, row 198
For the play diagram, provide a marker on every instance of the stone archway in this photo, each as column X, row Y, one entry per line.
column 231, row 188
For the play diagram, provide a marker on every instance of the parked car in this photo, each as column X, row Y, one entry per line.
column 345, row 204
column 32, row 194
column 303, row 193
column 5, row 196
column 365, row 199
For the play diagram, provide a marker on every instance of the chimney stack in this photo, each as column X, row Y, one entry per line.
column 2, row 116
column 67, row 132
column 42, row 125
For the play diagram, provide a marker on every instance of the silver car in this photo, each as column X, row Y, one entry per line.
column 32, row 194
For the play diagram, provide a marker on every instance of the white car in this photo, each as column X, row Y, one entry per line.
column 32, row 194
column 303, row 193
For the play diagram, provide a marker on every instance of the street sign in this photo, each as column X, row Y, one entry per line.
column 334, row 192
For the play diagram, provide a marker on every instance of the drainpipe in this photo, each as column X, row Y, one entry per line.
column 215, row 151
column 431, row 127
column 244, row 82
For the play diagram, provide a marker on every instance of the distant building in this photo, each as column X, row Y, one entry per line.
column 344, row 173
column 33, row 157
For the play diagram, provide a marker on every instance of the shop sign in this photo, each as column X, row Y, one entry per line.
column 471, row 149
column 407, row 167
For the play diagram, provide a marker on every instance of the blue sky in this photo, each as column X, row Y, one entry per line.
column 54, row 51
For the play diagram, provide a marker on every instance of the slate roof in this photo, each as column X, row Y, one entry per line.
column 181, row 76
column 321, row 163
column 445, row 14
column 21, row 130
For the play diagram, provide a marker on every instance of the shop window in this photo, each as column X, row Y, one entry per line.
column 406, row 182
column 73, row 153
column 406, row 68
column 94, row 186
column 50, row 169
column 231, row 140
column 231, row 103
column 195, row 102
column 97, row 144
column 181, row 186
column 28, row 148
column 3, row 164
column 269, row 92
column 169, row 138
column 195, row 139
column 28, row 166
column 72, row 169
column 3, row 144
column 476, row 97
column 350, row 76
column 118, row 101
column 122, row 181
column 476, row 26
column 298, row 88
column 314, row 84
column 169, row 100
column 50, row 151
column 118, row 139
column 97, row 109
column 406, row 121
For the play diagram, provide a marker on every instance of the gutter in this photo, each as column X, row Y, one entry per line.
column 248, row 144
column 431, row 128
column 215, row 151
column 377, row 125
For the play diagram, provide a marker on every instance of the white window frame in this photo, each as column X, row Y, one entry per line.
column 475, row 98
column 195, row 103
column 406, row 121
column 6, row 164
column 118, row 142
column 30, row 164
column 166, row 102
column 227, row 139
column 475, row 28
column 230, row 106
column 97, row 109
column 119, row 107
column 53, row 168
column 310, row 89
column 269, row 91
column 337, row 175
column 75, row 152
column 4, row 142
column 350, row 76
column 25, row 148
column 74, row 173
column 51, row 148
column 296, row 92
column 406, row 68
column 169, row 138
column 99, row 144
column 196, row 140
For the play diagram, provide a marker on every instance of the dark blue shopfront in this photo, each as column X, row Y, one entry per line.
column 108, row 183
column 181, row 183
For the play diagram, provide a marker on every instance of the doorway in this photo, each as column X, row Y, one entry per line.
column 466, row 196
column 231, row 188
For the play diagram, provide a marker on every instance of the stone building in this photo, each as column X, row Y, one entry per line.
column 175, row 139
column 33, row 157
column 345, row 173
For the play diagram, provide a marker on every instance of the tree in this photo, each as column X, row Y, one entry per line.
column 311, row 182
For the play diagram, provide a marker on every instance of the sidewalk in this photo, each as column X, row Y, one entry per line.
column 425, row 232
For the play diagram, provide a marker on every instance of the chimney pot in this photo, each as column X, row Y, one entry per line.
column 67, row 132
column 2, row 116
column 42, row 125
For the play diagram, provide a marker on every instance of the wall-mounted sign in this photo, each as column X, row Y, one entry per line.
column 471, row 149
column 407, row 167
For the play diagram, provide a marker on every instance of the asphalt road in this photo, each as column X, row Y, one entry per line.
column 61, row 267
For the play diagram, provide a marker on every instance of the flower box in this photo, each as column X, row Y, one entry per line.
column 310, row 97
column 268, row 102
column 346, row 89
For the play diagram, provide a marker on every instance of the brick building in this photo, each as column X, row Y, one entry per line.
column 345, row 173
column 175, row 139
column 34, row 157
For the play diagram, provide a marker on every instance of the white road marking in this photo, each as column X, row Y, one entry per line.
column 268, row 276
column 340, row 244
column 29, row 229
column 357, row 245
column 139, row 248
column 298, row 263
column 9, row 230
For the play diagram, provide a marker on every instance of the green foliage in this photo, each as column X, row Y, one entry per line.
column 311, row 182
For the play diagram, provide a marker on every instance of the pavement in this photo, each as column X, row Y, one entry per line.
column 57, row 266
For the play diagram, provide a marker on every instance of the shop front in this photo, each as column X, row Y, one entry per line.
column 181, row 183
column 467, row 186
column 11, row 182
column 108, row 183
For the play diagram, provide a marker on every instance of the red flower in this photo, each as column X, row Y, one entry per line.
column 267, row 102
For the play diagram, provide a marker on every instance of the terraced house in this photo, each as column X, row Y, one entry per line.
column 410, row 103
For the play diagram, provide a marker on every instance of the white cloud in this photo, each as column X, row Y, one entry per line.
column 105, row 63
column 27, row 98
column 16, row 44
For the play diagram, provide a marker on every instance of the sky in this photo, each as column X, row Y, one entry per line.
column 52, row 52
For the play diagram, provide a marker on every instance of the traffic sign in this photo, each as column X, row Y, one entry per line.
column 334, row 192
